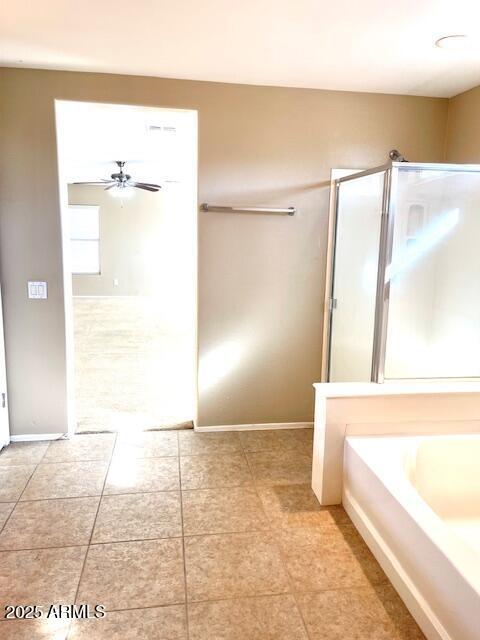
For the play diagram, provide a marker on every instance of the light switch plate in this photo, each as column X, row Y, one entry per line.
column 37, row 290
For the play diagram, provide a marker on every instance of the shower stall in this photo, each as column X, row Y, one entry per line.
column 403, row 283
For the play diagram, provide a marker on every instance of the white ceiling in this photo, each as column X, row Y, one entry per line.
column 153, row 142
column 364, row 45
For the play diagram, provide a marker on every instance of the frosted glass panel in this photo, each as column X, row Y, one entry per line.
column 355, row 278
column 434, row 310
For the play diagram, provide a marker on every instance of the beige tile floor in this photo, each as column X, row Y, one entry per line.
column 186, row 536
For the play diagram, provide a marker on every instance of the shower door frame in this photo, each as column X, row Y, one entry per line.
column 382, row 290
column 382, row 298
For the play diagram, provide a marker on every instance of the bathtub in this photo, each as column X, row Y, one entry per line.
column 416, row 502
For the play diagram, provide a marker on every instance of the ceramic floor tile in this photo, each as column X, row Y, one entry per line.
column 124, row 575
column 221, row 470
column 265, row 618
column 158, row 623
column 147, row 444
column 66, row 480
column 41, row 576
column 295, row 505
column 13, row 481
column 280, row 467
column 374, row 613
column 222, row 511
column 22, row 453
column 6, row 509
column 50, row 523
column 95, row 446
column 193, row 443
column 233, row 565
column 138, row 516
column 42, row 629
column 278, row 439
column 330, row 557
column 141, row 475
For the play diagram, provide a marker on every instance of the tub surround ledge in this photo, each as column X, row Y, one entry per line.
column 393, row 408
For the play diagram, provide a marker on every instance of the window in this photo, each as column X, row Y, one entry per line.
column 84, row 239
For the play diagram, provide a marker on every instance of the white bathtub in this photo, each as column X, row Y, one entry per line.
column 416, row 502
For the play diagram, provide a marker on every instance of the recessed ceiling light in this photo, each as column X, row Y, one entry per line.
column 458, row 42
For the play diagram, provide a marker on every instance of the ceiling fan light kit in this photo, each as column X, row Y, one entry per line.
column 121, row 183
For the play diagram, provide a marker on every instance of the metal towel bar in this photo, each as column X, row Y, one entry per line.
column 289, row 211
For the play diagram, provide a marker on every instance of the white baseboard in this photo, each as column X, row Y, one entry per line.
column 35, row 437
column 259, row 426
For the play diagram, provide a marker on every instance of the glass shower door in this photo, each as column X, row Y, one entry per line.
column 357, row 246
column 434, row 308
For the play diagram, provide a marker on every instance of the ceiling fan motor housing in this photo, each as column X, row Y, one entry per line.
column 120, row 176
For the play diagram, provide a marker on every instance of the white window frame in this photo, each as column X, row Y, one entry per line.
column 96, row 209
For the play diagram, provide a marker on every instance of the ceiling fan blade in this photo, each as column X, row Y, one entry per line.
column 150, row 184
column 145, row 187
column 110, row 186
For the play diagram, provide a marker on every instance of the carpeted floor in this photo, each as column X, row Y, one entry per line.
column 131, row 371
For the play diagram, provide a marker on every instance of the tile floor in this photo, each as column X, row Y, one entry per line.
column 186, row 536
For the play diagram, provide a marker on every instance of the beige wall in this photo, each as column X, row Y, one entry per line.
column 463, row 129
column 261, row 278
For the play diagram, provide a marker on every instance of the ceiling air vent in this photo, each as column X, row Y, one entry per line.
column 162, row 128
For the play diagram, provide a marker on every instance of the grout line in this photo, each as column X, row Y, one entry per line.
column 93, row 526
column 279, row 551
column 60, row 498
column 210, row 534
column 253, row 596
column 91, row 544
column 98, row 495
column 35, row 465
column 60, row 546
column 13, row 504
column 45, row 452
column 183, row 545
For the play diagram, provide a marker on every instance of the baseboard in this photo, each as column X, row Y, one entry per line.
column 259, row 426
column 35, row 437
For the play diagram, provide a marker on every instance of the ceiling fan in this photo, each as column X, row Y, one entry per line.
column 121, row 180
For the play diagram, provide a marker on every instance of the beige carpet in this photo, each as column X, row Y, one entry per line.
column 131, row 371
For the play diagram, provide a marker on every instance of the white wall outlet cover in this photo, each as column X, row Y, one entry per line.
column 37, row 290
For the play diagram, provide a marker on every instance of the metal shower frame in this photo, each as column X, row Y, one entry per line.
column 391, row 170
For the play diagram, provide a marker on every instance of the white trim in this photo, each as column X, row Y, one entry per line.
column 34, row 437
column 407, row 590
column 334, row 174
column 191, row 119
column 259, row 426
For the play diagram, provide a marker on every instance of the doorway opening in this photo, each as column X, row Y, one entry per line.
column 128, row 192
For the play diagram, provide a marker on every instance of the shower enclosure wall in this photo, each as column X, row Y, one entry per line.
column 403, row 294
